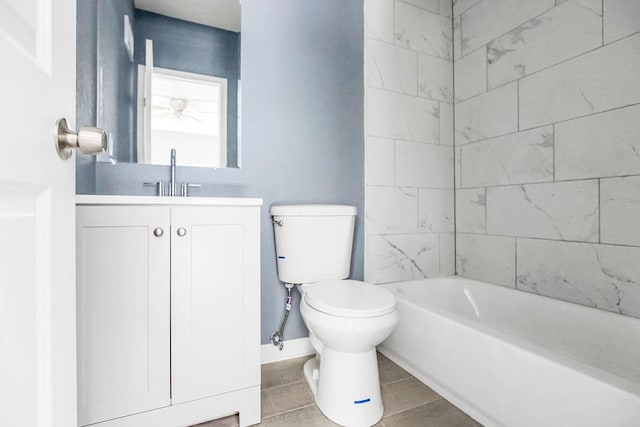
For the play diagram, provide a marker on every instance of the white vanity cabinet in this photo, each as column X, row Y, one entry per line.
column 168, row 310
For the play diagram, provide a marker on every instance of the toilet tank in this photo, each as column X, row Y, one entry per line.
column 313, row 242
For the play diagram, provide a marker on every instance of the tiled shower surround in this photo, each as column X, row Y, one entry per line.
column 547, row 151
column 409, row 143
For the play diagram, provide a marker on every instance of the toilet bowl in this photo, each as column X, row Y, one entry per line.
column 346, row 319
column 344, row 332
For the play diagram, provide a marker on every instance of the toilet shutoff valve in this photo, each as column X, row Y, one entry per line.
column 277, row 338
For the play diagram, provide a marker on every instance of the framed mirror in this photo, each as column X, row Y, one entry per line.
column 168, row 77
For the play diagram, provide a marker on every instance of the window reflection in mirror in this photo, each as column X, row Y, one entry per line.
column 168, row 76
column 188, row 112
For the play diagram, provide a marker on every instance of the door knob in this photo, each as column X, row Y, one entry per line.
column 89, row 140
column 158, row 232
column 181, row 232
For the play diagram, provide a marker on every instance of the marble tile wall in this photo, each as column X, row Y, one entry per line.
column 409, row 166
column 547, row 148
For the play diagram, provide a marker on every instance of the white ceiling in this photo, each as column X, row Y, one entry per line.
column 223, row 14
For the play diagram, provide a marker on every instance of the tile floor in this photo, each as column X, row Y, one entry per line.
column 287, row 400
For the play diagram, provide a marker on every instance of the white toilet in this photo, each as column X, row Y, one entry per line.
column 347, row 319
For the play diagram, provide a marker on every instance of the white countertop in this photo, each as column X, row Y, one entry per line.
column 154, row 200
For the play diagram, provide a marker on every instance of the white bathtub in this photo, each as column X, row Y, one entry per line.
column 510, row 358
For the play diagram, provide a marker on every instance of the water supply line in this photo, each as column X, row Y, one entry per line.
column 277, row 338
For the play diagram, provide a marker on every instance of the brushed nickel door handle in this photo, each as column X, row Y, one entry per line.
column 88, row 139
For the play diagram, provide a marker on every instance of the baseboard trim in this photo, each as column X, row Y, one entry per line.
column 292, row 348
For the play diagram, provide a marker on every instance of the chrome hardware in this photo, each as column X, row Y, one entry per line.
column 278, row 222
column 182, row 232
column 185, row 186
column 158, row 232
column 173, row 190
column 172, row 185
column 159, row 187
column 90, row 140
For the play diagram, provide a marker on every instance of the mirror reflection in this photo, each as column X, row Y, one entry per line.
column 169, row 78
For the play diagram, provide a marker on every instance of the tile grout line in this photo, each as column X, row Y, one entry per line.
column 422, row 8
column 410, row 234
column 410, row 140
column 486, row 210
column 599, row 211
column 485, row 92
column 402, row 47
column 580, row 242
column 486, row 68
column 365, row 57
column 453, row 130
column 412, row 95
column 622, row 107
column 518, row 105
column 412, row 407
column 283, row 385
column 559, row 181
column 396, row 381
column 635, row 33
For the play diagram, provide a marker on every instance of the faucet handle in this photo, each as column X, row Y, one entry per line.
column 185, row 186
column 159, row 187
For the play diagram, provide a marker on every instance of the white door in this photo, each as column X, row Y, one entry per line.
column 123, row 310
column 215, row 301
column 37, row 254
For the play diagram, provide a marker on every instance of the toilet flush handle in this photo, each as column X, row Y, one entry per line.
column 278, row 222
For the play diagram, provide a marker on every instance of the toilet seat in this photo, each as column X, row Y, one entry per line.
column 349, row 298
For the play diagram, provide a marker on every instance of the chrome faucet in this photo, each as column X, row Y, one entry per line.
column 172, row 184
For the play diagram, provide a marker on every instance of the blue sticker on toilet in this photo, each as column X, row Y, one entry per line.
column 360, row 402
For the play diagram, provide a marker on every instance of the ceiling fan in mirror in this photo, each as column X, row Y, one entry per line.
column 181, row 108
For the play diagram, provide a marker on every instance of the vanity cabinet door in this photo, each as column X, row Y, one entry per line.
column 215, row 300
column 123, row 310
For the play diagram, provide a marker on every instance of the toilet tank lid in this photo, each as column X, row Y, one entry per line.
column 313, row 210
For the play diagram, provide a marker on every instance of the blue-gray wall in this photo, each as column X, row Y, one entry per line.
column 185, row 46
column 118, row 75
column 86, row 90
column 302, row 127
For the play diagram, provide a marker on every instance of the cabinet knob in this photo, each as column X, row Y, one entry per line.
column 158, row 232
column 181, row 231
